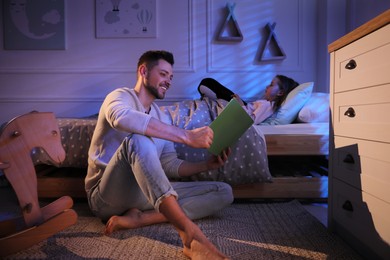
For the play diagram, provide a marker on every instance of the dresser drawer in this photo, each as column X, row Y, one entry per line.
column 364, row 216
column 368, row 56
column 363, row 113
column 364, row 165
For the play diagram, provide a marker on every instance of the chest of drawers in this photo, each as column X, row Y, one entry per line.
column 359, row 177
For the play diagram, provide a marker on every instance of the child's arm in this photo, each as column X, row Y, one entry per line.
column 237, row 97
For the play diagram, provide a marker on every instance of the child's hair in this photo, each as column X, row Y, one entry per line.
column 285, row 84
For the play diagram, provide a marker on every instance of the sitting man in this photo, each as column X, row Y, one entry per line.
column 132, row 156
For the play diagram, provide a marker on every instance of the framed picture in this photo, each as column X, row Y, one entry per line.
column 34, row 25
column 125, row 18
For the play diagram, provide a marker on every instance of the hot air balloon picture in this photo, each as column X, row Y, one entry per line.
column 125, row 18
column 144, row 17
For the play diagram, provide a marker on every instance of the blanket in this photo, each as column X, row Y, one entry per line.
column 248, row 162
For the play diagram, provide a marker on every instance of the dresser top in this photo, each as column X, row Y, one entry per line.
column 372, row 25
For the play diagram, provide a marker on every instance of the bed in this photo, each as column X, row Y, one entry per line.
column 296, row 144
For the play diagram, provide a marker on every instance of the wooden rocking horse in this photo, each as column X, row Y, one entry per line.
column 17, row 139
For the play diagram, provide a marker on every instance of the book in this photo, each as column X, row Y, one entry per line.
column 229, row 126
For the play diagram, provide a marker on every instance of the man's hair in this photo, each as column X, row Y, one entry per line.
column 151, row 58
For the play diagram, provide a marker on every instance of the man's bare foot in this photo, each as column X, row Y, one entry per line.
column 197, row 246
column 201, row 251
column 131, row 219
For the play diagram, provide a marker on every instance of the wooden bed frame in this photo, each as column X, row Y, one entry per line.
column 293, row 144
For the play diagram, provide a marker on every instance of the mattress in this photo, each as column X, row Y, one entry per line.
column 296, row 139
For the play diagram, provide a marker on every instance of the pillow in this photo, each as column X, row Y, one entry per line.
column 295, row 100
column 316, row 109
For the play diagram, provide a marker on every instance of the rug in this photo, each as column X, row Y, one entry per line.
column 278, row 230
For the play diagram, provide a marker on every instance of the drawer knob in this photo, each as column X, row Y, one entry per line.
column 349, row 159
column 350, row 112
column 351, row 65
column 348, row 206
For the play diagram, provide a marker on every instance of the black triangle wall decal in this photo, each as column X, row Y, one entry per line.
column 272, row 45
column 230, row 26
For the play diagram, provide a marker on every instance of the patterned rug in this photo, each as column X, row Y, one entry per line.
column 279, row 230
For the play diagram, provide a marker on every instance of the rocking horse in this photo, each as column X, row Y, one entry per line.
column 17, row 139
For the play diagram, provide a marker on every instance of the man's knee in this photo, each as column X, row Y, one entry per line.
column 227, row 192
column 140, row 144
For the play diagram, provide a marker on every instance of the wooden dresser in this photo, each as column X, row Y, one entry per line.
column 359, row 172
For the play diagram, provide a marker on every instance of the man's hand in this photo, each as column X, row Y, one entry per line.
column 199, row 137
column 216, row 162
column 188, row 168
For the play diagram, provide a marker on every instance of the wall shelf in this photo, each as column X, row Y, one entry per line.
column 272, row 44
column 230, row 25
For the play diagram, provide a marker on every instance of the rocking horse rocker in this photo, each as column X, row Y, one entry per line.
column 17, row 139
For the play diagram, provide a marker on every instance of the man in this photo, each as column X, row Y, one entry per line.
column 132, row 156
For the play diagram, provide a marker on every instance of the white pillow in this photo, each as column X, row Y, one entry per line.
column 295, row 100
column 316, row 109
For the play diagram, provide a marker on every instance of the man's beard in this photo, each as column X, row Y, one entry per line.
column 154, row 91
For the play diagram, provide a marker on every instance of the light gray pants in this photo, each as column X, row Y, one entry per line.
column 134, row 178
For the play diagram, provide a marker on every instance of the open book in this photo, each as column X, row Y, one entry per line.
column 229, row 126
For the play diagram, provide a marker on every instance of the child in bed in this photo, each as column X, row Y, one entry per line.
column 275, row 94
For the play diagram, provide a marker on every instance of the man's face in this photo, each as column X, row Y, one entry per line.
column 158, row 79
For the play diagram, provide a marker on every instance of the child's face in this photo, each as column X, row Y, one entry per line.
column 272, row 90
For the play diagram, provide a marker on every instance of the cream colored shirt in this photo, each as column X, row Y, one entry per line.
column 122, row 114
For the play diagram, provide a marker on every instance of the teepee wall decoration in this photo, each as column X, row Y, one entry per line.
column 230, row 25
column 272, row 44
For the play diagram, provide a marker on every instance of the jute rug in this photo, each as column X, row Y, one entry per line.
column 281, row 230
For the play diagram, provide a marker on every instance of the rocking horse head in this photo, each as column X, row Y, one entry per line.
column 28, row 131
column 17, row 139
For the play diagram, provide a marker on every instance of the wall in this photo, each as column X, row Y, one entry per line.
column 74, row 81
column 361, row 11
